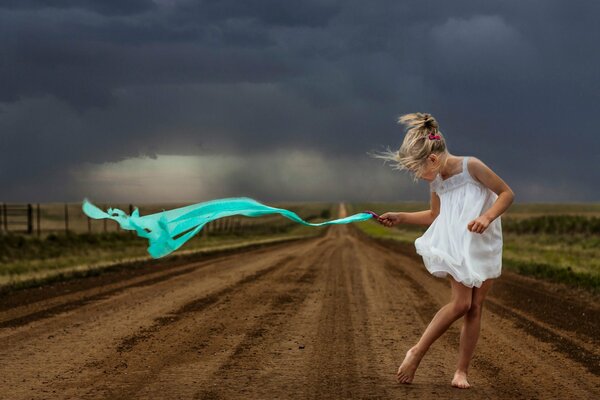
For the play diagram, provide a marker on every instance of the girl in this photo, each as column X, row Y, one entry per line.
column 464, row 238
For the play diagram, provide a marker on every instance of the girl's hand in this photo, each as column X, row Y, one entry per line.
column 390, row 219
column 479, row 224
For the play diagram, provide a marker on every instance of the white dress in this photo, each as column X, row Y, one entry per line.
column 447, row 246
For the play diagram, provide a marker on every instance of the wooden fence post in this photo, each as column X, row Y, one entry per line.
column 4, row 220
column 29, row 219
column 39, row 230
column 66, row 218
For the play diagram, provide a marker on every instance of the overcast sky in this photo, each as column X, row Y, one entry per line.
column 166, row 100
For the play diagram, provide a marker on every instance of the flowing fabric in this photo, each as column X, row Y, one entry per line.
column 161, row 228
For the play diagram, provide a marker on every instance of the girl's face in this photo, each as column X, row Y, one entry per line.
column 429, row 168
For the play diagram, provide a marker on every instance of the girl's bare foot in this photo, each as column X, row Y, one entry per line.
column 406, row 371
column 460, row 380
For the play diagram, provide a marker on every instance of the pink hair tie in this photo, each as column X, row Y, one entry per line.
column 432, row 136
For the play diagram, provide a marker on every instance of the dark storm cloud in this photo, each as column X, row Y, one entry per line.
column 513, row 83
column 115, row 7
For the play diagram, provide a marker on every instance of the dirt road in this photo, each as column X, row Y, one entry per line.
column 327, row 317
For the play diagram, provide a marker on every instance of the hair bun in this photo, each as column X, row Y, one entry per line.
column 427, row 120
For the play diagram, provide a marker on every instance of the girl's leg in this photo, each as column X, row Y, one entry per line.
column 458, row 306
column 469, row 334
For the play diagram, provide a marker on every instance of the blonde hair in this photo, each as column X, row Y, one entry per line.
column 416, row 146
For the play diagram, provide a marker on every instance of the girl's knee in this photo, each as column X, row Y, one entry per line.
column 475, row 309
column 461, row 307
column 462, row 297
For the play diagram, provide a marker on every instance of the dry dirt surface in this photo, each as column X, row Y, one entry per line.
column 327, row 317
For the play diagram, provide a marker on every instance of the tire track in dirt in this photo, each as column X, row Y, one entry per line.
column 198, row 305
column 342, row 364
column 47, row 312
column 243, row 371
column 558, row 310
column 584, row 354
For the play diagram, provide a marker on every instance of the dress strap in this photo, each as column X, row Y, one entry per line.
column 464, row 165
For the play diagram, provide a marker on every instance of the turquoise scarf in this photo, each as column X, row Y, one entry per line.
column 161, row 228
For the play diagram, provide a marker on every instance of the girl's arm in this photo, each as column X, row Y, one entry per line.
column 486, row 176
column 425, row 217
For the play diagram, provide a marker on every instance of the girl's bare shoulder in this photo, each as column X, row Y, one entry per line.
column 481, row 172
